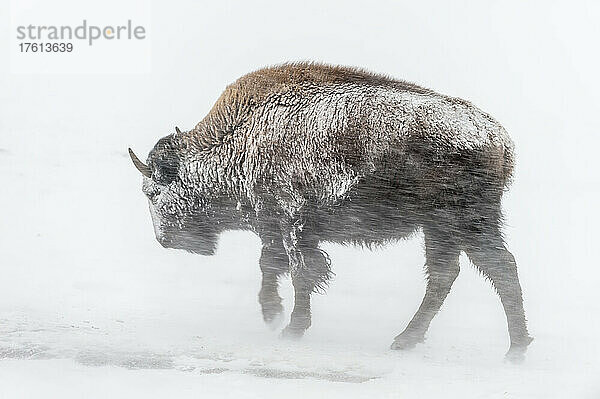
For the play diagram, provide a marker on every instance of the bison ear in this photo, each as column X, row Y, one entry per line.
column 177, row 130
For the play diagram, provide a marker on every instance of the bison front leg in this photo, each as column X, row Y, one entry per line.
column 273, row 263
column 309, row 268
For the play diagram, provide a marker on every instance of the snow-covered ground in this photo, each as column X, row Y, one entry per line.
column 91, row 306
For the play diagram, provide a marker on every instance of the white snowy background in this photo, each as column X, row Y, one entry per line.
column 91, row 306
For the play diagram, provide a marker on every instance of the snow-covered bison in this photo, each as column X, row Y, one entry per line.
column 306, row 153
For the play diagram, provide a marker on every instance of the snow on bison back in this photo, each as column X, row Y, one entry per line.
column 304, row 153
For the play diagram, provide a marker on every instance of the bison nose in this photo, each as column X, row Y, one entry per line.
column 164, row 241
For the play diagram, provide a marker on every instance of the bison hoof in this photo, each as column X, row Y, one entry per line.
column 516, row 353
column 402, row 342
column 292, row 332
column 299, row 322
column 272, row 309
column 273, row 315
column 515, row 356
column 402, row 345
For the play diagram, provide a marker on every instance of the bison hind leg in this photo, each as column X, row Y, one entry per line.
column 442, row 267
column 487, row 251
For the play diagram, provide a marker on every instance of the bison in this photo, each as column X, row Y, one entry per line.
column 305, row 153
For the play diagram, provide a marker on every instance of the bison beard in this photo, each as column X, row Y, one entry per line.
column 308, row 153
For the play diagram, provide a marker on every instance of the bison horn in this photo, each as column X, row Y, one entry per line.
column 177, row 130
column 142, row 167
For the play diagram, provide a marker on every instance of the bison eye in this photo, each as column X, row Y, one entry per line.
column 163, row 161
column 164, row 170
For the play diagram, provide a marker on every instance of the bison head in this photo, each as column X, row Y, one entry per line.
column 182, row 218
